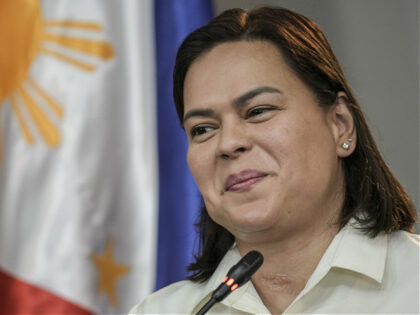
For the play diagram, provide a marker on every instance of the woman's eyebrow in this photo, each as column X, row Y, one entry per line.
column 198, row 112
column 241, row 100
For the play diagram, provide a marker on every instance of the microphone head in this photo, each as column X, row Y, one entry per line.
column 246, row 267
column 238, row 275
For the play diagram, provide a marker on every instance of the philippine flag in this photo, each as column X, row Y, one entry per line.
column 97, row 205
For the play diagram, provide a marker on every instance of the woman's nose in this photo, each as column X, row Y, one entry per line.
column 233, row 141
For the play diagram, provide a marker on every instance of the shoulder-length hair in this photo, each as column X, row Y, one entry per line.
column 373, row 196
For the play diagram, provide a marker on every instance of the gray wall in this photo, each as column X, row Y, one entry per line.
column 377, row 43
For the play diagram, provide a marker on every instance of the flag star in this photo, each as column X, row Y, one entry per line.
column 109, row 271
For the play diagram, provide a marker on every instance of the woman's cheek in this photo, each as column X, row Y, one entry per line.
column 197, row 163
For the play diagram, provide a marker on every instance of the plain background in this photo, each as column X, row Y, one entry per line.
column 377, row 44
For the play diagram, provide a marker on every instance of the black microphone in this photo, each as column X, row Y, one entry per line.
column 237, row 276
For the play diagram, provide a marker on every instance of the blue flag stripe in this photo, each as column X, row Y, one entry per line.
column 179, row 199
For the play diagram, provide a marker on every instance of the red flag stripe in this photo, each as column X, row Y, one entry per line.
column 18, row 297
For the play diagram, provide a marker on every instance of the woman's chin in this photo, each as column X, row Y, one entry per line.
column 247, row 218
column 248, row 224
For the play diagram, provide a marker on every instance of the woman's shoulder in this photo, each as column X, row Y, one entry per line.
column 404, row 242
column 403, row 259
column 178, row 298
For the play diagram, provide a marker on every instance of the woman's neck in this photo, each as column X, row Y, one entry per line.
column 288, row 264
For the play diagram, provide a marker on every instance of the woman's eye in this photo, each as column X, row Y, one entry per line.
column 200, row 130
column 258, row 111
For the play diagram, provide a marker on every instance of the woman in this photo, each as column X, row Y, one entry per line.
column 286, row 165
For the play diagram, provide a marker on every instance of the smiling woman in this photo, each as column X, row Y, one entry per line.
column 259, row 163
column 286, row 165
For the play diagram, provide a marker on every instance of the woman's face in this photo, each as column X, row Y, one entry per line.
column 261, row 149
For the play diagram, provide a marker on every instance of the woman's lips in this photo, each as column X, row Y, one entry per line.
column 243, row 181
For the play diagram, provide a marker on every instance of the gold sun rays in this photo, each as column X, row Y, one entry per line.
column 26, row 38
column 96, row 48
column 49, row 132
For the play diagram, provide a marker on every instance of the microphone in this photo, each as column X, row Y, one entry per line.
column 238, row 275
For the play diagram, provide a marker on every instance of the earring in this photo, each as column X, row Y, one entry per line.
column 345, row 145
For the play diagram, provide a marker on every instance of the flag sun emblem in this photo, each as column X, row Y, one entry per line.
column 23, row 36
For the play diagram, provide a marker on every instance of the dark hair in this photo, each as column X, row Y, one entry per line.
column 373, row 196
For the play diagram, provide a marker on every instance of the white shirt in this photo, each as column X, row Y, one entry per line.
column 356, row 275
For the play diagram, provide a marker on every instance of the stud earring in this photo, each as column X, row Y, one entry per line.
column 345, row 145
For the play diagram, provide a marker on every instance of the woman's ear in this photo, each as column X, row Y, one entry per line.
column 343, row 127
